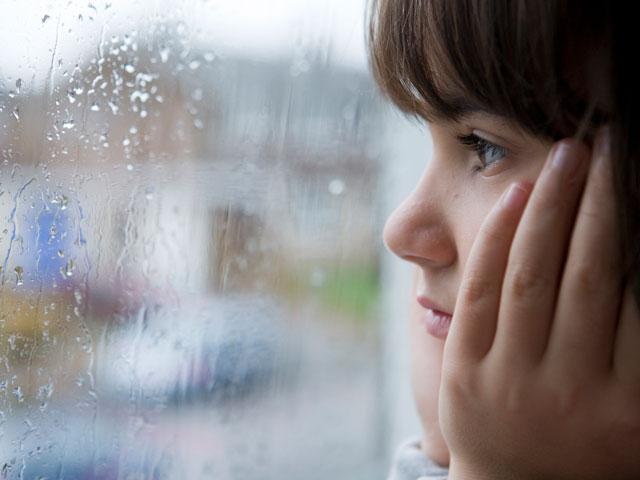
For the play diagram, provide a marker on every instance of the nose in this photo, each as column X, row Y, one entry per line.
column 419, row 231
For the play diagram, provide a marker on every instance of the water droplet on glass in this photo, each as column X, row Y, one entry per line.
column 114, row 108
column 129, row 167
column 19, row 273
column 45, row 18
column 197, row 94
column 61, row 253
column 129, row 68
column 67, row 270
column 143, row 96
column 95, row 107
column 336, row 187
column 194, row 64
column 18, row 85
column 164, row 55
column 16, row 114
column 68, row 124
column 17, row 392
column 126, row 142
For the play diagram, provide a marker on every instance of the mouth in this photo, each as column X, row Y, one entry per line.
column 435, row 320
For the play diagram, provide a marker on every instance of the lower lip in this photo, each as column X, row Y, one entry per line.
column 437, row 323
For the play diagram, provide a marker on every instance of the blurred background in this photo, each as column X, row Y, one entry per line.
column 193, row 283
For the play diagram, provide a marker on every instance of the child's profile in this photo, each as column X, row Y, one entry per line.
column 524, row 233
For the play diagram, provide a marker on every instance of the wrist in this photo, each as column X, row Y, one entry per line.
column 458, row 471
column 461, row 471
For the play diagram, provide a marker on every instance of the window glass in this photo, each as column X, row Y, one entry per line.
column 190, row 217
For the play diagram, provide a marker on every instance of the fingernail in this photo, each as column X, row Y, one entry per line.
column 566, row 160
column 515, row 197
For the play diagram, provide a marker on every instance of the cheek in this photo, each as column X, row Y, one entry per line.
column 469, row 219
column 426, row 365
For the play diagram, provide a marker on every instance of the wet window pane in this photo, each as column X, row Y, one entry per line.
column 191, row 199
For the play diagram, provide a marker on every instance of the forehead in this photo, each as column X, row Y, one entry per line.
column 468, row 113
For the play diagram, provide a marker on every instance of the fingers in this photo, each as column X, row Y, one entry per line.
column 626, row 358
column 474, row 321
column 537, row 255
column 583, row 332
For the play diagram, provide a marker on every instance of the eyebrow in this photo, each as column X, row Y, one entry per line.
column 458, row 108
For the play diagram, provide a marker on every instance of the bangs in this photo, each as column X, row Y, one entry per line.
column 442, row 59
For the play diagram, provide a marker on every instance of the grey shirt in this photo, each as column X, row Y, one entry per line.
column 410, row 463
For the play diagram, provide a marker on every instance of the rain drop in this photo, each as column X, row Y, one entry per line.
column 67, row 271
column 164, row 55
column 114, row 108
column 19, row 273
column 17, row 392
column 336, row 186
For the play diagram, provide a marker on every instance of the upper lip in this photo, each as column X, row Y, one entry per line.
column 431, row 305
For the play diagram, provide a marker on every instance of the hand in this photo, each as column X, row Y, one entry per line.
column 541, row 369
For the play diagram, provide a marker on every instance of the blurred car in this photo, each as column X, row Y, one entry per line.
column 207, row 349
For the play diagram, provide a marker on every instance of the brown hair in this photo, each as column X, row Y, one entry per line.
column 554, row 68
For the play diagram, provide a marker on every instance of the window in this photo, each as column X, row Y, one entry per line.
column 190, row 216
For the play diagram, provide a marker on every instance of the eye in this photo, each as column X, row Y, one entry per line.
column 488, row 153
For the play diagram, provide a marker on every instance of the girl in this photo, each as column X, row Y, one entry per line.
column 524, row 230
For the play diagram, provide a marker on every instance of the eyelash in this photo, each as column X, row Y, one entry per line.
column 482, row 147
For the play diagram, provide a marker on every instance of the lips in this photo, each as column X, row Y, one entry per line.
column 427, row 303
column 435, row 320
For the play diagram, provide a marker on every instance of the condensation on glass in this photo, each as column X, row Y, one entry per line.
column 189, row 243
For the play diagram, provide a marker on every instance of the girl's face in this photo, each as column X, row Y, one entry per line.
column 474, row 161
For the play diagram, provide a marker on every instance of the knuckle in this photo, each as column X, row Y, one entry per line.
column 475, row 289
column 592, row 214
column 495, row 233
column 586, row 280
column 525, row 280
column 460, row 379
column 566, row 399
